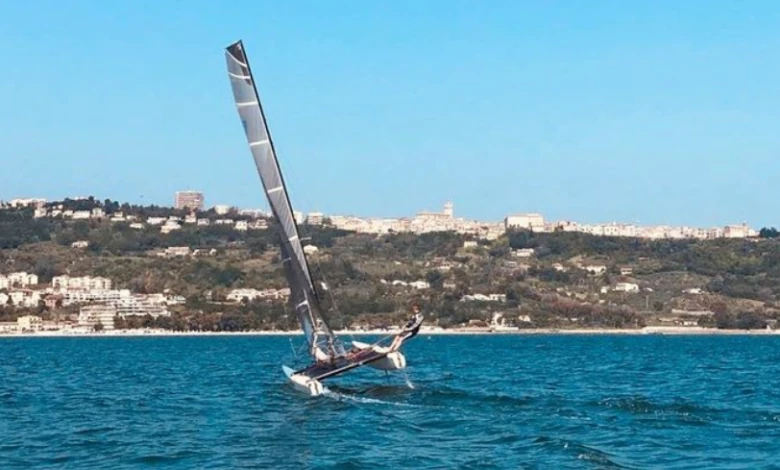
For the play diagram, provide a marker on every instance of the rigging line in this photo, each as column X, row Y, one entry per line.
column 331, row 296
column 288, row 324
column 304, row 233
column 295, row 353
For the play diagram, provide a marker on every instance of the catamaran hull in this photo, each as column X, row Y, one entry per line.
column 304, row 384
column 392, row 361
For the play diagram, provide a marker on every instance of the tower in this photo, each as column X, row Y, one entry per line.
column 448, row 209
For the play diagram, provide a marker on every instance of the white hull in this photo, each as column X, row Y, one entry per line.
column 393, row 361
column 307, row 385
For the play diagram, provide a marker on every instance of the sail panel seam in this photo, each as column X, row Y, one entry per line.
column 237, row 61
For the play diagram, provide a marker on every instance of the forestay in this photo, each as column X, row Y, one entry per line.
column 296, row 268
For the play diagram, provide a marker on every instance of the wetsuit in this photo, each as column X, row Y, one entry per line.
column 411, row 329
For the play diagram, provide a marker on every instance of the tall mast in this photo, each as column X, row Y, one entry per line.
column 303, row 295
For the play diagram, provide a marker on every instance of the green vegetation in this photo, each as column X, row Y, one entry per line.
column 678, row 280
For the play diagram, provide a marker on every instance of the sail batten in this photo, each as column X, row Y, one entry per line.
column 302, row 293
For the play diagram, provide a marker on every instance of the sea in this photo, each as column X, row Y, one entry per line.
column 465, row 402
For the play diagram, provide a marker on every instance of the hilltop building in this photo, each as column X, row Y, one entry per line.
column 531, row 221
column 27, row 202
column 189, row 200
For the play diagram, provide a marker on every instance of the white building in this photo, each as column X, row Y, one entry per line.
column 483, row 298
column 595, row 268
column 221, row 209
column 80, row 244
column 531, row 221
column 315, row 218
column 154, row 305
column 20, row 279
column 738, row 231
column 91, row 315
column 523, row 253
column 83, row 282
column 83, row 296
column 310, row 249
column 419, row 285
column 27, row 202
column 169, row 226
column 173, row 251
column 259, row 224
column 237, row 295
column 443, row 221
column 626, row 287
column 25, row 298
column 254, row 213
column 29, row 323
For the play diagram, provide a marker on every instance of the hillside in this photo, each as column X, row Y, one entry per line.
column 552, row 280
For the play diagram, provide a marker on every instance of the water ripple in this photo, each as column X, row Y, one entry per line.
column 469, row 402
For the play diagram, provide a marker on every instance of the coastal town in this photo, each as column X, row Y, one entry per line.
column 71, row 301
column 422, row 222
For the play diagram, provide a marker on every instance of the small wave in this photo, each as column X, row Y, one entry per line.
column 448, row 395
column 580, row 451
column 156, row 459
column 642, row 405
column 364, row 400
column 376, row 390
column 91, row 431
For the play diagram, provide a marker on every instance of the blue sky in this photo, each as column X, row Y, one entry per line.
column 661, row 112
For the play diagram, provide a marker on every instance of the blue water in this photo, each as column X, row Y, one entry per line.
column 472, row 402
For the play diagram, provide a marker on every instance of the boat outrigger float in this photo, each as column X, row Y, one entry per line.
column 330, row 357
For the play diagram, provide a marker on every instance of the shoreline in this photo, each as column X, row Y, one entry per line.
column 669, row 331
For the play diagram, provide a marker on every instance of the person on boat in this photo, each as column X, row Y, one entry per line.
column 410, row 330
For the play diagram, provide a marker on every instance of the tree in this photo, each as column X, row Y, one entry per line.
column 768, row 233
column 750, row 321
column 724, row 321
column 98, row 327
column 434, row 278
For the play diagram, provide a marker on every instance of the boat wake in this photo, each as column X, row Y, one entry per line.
column 347, row 397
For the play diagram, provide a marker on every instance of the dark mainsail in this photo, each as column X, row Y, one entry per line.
column 303, row 296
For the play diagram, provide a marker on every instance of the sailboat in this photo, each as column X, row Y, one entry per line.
column 328, row 353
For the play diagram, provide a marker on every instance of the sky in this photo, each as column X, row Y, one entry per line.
column 662, row 112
